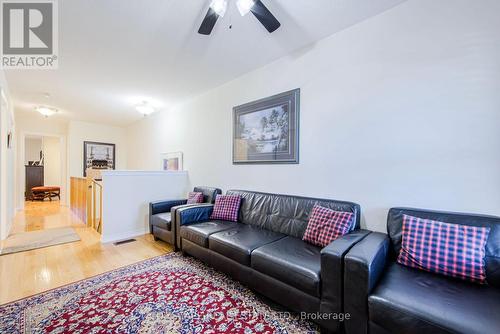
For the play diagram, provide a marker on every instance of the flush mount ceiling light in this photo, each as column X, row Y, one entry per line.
column 145, row 108
column 46, row 111
column 218, row 9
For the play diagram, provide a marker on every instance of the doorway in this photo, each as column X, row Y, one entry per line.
column 42, row 167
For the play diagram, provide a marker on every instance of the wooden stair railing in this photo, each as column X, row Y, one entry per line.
column 94, row 205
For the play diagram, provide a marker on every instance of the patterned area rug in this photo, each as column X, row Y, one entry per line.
column 166, row 294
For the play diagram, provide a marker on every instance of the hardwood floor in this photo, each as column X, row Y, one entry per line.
column 27, row 273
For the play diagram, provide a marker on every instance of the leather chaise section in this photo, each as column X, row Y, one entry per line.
column 162, row 220
column 163, row 215
column 383, row 296
column 292, row 261
column 434, row 303
column 162, row 233
column 492, row 259
column 239, row 242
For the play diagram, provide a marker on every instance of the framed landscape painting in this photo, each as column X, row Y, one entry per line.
column 267, row 131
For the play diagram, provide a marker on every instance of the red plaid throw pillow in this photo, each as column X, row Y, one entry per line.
column 449, row 249
column 326, row 225
column 226, row 207
column 195, row 197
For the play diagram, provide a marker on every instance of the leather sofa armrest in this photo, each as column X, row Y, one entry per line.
column 332, row 272
column 364, row 265
column 161, row 207
column 164, row 206
column 173, row 215
column 190, row 214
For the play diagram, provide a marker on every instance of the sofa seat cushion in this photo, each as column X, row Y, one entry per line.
column 162, row 220
column 291, row 261
column 409, row 300
column 239, row 242
column 199, row 233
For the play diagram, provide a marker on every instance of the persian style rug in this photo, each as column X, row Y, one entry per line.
column 166, row 294
column 25, row 241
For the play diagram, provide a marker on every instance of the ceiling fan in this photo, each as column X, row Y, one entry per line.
column 218, row 9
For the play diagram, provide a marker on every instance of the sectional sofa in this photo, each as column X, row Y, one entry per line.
column 383, row 296
column 265, row 251
column 356, row 276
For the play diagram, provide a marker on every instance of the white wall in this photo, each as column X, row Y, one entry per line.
column 83, row 131
column 7, row 159
column 52, row 161
column 126, row 199
column 32, row 148
column 402, row 109
column 35, row 123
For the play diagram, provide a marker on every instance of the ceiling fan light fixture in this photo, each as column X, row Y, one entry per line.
column 145, row 108
column 46, row 111
column 219, row 6
column 244, row 6
column 256, row 7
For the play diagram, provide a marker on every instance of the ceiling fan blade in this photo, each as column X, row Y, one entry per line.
column 265, row 16
column 208, row 22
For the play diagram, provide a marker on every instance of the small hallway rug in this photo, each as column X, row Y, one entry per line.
column 20, row 242
column 166, row 294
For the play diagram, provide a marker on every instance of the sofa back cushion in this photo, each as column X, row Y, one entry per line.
column 209, row 193
column 284, row 213
column 492, row 258
column 195, row 197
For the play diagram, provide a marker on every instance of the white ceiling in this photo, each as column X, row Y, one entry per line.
column 115, row 53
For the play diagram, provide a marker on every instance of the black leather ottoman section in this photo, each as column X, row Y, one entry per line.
column 426, row 302
column 292, row 261
column 199, row 233
column 162, row 220
column 239, row 242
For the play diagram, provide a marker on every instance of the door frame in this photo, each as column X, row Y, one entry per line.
column 7, row 164
column 22, row 171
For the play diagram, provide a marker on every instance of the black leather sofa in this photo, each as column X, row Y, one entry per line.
column 161, row 224
column 383, row 296
column 264, row 250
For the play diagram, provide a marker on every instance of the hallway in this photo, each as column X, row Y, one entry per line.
column 26, row 273
column 40, row 215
